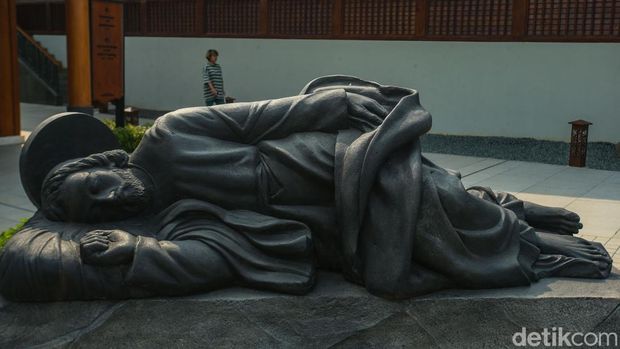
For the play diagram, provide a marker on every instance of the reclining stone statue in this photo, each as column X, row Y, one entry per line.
column 262, row 194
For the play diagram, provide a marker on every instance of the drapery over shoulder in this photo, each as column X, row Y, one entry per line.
column 398, row 213
column 389, row 239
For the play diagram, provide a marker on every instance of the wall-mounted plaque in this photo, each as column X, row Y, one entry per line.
column 107, row 50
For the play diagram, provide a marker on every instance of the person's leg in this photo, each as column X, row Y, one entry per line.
column 220, row 101
column 210, row 103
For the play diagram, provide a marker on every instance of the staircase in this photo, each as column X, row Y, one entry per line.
column 43, row 79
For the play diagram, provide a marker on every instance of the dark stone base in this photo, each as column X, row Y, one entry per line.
column 335, row 314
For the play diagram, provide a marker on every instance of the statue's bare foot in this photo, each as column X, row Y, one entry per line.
column 563, row 266
column 574, row 247
column 552, row 219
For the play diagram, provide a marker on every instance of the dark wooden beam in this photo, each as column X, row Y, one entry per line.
column 520, row 13
column 421, row 17
column 78, row 55
column 263, row 17
column 9, row 73
column 199, row 16
column 143, row 20
column 338, row 18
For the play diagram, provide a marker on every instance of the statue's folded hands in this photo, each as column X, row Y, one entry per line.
column 107, row 247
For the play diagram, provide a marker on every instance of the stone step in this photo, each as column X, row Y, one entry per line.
column 335, row 314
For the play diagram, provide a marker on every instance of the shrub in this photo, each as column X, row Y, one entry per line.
column 7, row 234
column 129, row 136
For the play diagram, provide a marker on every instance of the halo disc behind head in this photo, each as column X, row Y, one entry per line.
column 59, row 138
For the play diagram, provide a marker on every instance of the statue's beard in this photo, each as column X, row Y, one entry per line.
column 133, row 196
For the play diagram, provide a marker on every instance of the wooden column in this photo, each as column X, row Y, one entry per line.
column 78, row 56
column 520, row 12
column 338, row 19
column 421, row 18
column 9, row 72
column 199, row 16
column 263, row 17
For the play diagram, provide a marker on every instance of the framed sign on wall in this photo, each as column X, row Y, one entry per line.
column 108, row 55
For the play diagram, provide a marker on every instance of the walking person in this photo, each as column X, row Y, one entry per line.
column 213, row 82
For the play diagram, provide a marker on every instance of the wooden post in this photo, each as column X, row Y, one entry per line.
column 338, row 18
column 143, row 22
column 200, row 17
column 520, row 12
column 78, row 56
column 421, row 18
column 9, row 73
column 263, row 17
column 578, row 143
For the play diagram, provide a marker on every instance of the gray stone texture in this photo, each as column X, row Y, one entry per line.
column 335, row 314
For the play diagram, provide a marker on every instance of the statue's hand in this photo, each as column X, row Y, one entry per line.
column 366, row 112
column 107, row 247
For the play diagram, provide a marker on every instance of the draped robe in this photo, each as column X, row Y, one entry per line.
column 274, row 188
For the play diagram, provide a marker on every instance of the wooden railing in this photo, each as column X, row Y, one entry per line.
column 44, row 65
column 476, row 20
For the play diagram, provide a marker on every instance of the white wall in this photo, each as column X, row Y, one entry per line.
column 491, row 89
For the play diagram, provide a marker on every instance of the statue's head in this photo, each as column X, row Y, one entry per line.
column 97, row 188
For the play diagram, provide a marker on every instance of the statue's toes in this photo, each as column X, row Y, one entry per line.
column 605, row 267
column 571, row 216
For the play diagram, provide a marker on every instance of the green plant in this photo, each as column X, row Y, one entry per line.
column 129, row 136
column 7, row 234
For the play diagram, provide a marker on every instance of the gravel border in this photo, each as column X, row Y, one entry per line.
column 601, row 155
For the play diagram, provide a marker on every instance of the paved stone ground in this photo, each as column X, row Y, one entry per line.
column 593, row 194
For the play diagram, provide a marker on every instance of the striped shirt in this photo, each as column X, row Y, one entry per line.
column 212, row 73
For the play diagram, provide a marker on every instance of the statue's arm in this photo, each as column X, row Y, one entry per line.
column 154, row 266
column 177, row 267
column 327, row 111
column 249, row 123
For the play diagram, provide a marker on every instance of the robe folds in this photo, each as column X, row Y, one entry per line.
column 408, row 226
column 234, row 186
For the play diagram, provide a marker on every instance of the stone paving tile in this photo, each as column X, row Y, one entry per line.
column 601, row 239
column 13, row 213
column 36, row 113
column 546, row 200
column 18, row 201
column 614, row 178
column 556, row 185
column 479, row 166
column 454, row 162
column 604, row 191
column 495, row 171
column 538, row 170
column 509, row 183
column 581, row 176
column 7, row 223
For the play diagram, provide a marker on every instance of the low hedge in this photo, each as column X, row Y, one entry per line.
column 7, row 234
column 129, row 136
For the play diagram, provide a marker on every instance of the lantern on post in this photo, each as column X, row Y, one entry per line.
column 578, row 143
column 132, row 116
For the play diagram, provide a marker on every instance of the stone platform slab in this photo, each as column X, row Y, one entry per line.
column 335, row 315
